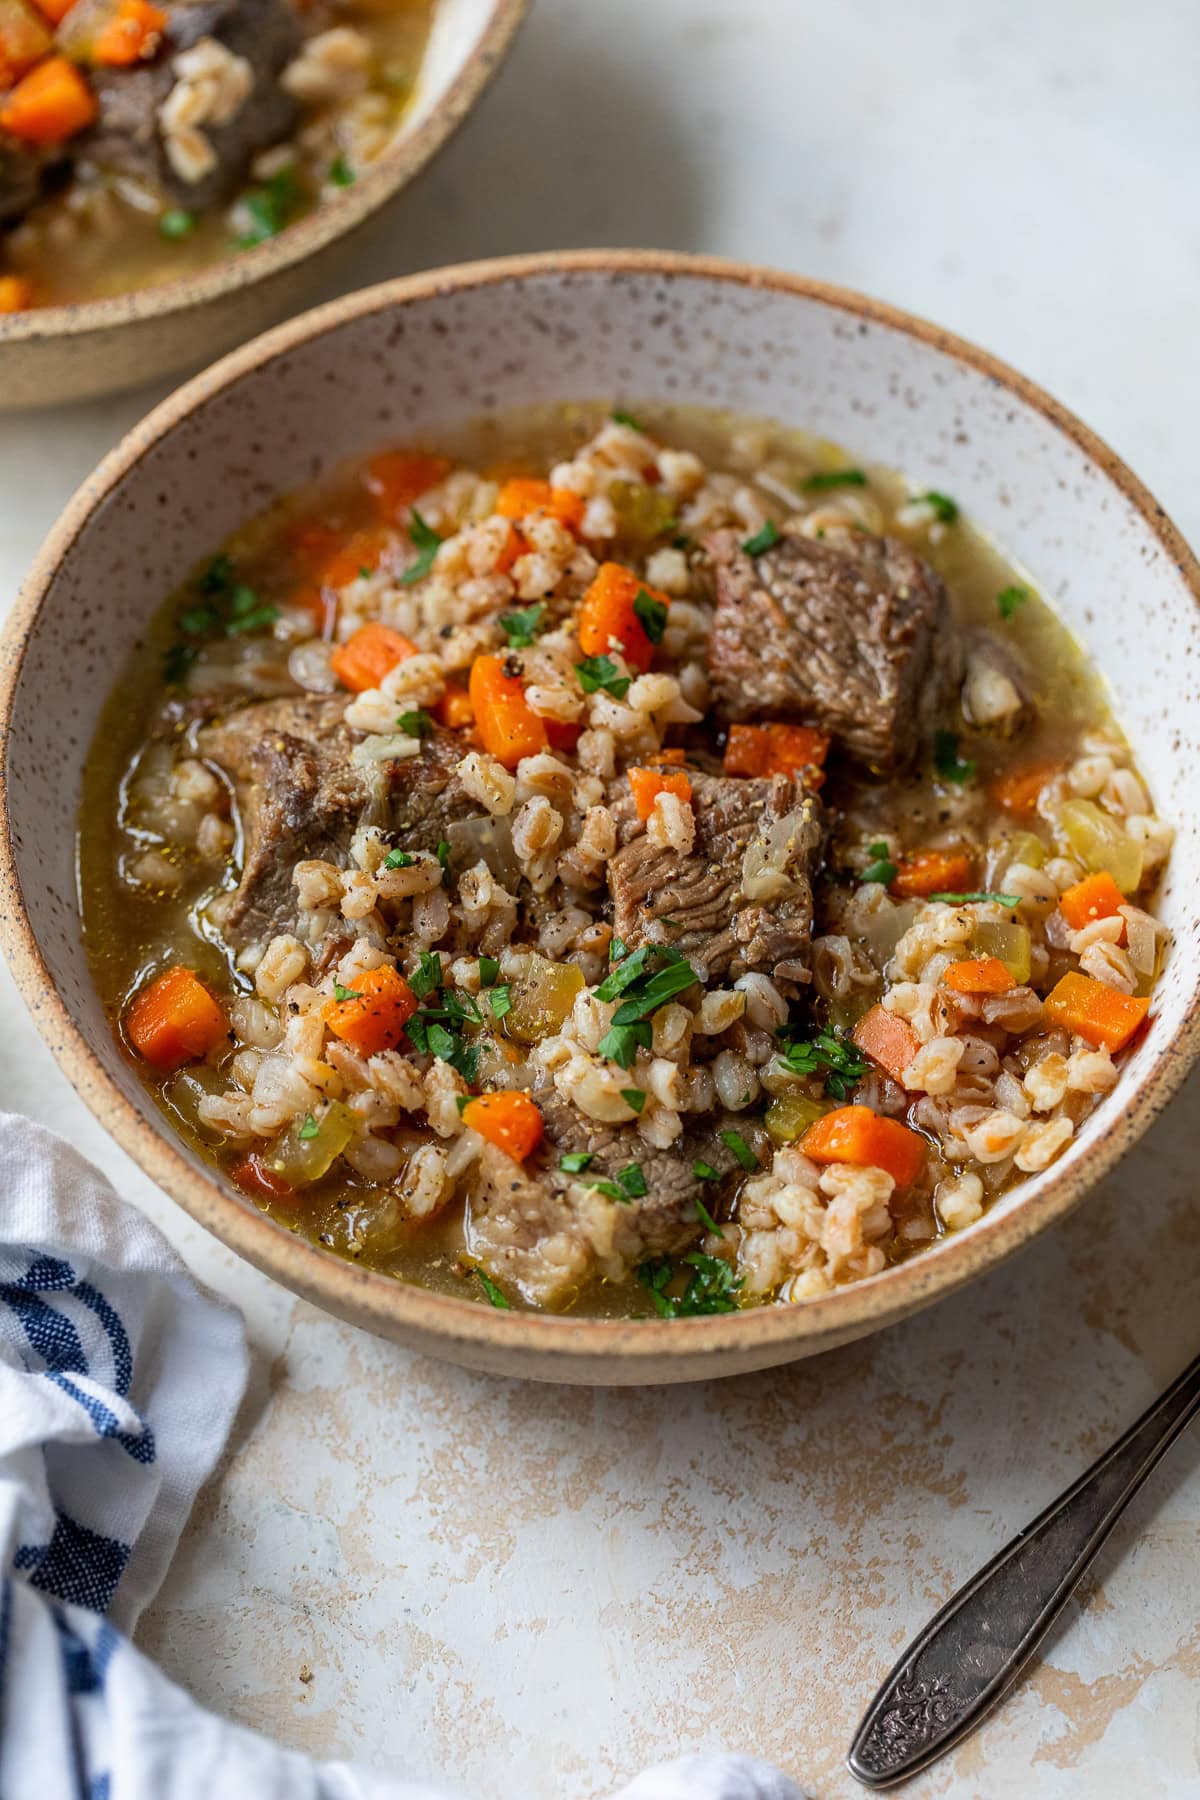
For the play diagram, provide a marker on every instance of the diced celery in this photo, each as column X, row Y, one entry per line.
column 541, row 999
column 1008, row 942
column 845, row 1013
column 1024, row 847
column 789, row 1116
column 302, row 1155
column 642, row 512
column 1099, row 843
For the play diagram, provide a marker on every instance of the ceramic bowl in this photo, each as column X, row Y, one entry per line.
column 57, row 353
column 393, row 362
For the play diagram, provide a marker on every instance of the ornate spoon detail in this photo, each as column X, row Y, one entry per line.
column 971, row 1652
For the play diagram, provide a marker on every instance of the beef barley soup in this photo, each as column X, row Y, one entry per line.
column 646, row 866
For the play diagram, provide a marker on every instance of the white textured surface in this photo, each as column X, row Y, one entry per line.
column 533, row 1590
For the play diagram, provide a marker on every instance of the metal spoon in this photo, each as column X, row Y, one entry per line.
column 969, row 1655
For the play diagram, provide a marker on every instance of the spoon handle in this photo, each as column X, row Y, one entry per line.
column 967, row 1657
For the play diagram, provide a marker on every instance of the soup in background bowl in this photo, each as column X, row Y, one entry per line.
column 987, row 723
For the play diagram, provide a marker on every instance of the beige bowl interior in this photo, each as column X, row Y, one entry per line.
column 392, row 364
column 59, row 353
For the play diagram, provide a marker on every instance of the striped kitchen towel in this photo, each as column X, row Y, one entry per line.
column 119, row 1382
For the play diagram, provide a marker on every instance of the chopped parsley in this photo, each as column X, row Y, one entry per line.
column 881, row 867
column 634, row 1097
column 621, row 1043
column 426, row 541
column 177, row 661
column 415, row 724
column 462, row 1101
column 633, row 1181
column 310, row 1129
column 597, row 672
column 617, row 949
column 736, row 1144
column 489, row 969
column 341, row 993
column 340, row 173
column 766, row 539
column 247, row 612
column 269, row 208
column 427, row 976
column 443, row 855
column 398, row 859
column 494, row 1294
column 176, row 223
column 624, row 418
column 944, row 509
column 575, row 1161
column 833, row 478
column 522, row 626
column 645, row 988
column 1008, row 600
column 705, row 1172
column 430, row 1037
column 838, row 1061
column 946, row 760
column 218, row 576
column 651, row 615
column 711, row 1288
column 500, row 1000
column 969, row 899
column 705, row 1217
column 610, row 1190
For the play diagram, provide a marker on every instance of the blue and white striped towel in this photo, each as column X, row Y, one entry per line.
column 119, row 1381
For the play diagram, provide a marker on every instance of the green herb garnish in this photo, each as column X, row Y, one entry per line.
column 398, row 859
column 949, row 765
column 624, row 418
column 635, row 1097
column 617, row 949
column 345, row 993
column 705, row 1217
column 969, row 899
column 736, row 1144
column 597, row 672
column 575, row 1161
column 710, row 1289
column 493, row 1293
column 443, row 856
column 489, row 970
column 310, row 1129
column 705, row 1172
column 839, row 1062
column 500, row 1000
column 415, row 724
column 1008, row 600
column 340, row 173
column 522, row 626
column 766, row 539
column 269, row 208
column 621, row 1043
column 217, row 578
column 426, row 541
column 177, row 661
column 651, row 615
column 176, row 223
column 833, row 478
column 633, row 1181
column 427, row 977
column 881, row 867
column 943, row 507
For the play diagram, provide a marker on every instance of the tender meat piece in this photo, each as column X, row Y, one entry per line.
column 549, row 1235
column 128, row 137
column 20, row 179
column 718, row 906
column 997, row 687
column 854, row 638
column 300, row 795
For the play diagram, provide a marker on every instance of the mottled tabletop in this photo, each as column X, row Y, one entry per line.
column 534, row 1590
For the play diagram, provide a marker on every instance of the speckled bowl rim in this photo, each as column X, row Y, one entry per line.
column 391, row 172
column 465, row 1330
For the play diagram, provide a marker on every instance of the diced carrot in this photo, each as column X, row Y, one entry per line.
column 24, row 40
column 312, row 543
column 1017, row 792
column 16, row 293
column 1095, row 897
column 396, row 478
column 887, row 1039
column 49, row 104
column 648, row 784
column 607, row 618
column 979, row 975
column 522, row 495
column 855, row 1134
column 1095, row 1011
column 360, row 554
column 132, row 33
column 931, row 872
column 669, row 756
column 375, row 1018
column 511, row 1121
column 507, row 725
column 366, row 657
column 54, row 10
column 775, row 749
column 253, row 1176
column 175, row 1020
column 455, row 709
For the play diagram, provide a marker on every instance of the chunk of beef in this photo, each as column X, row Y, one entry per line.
column 549, row 1234
column 301, row 795
column 128, row 137
column 743, row 899
column 855, row 638
column 20, row 178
